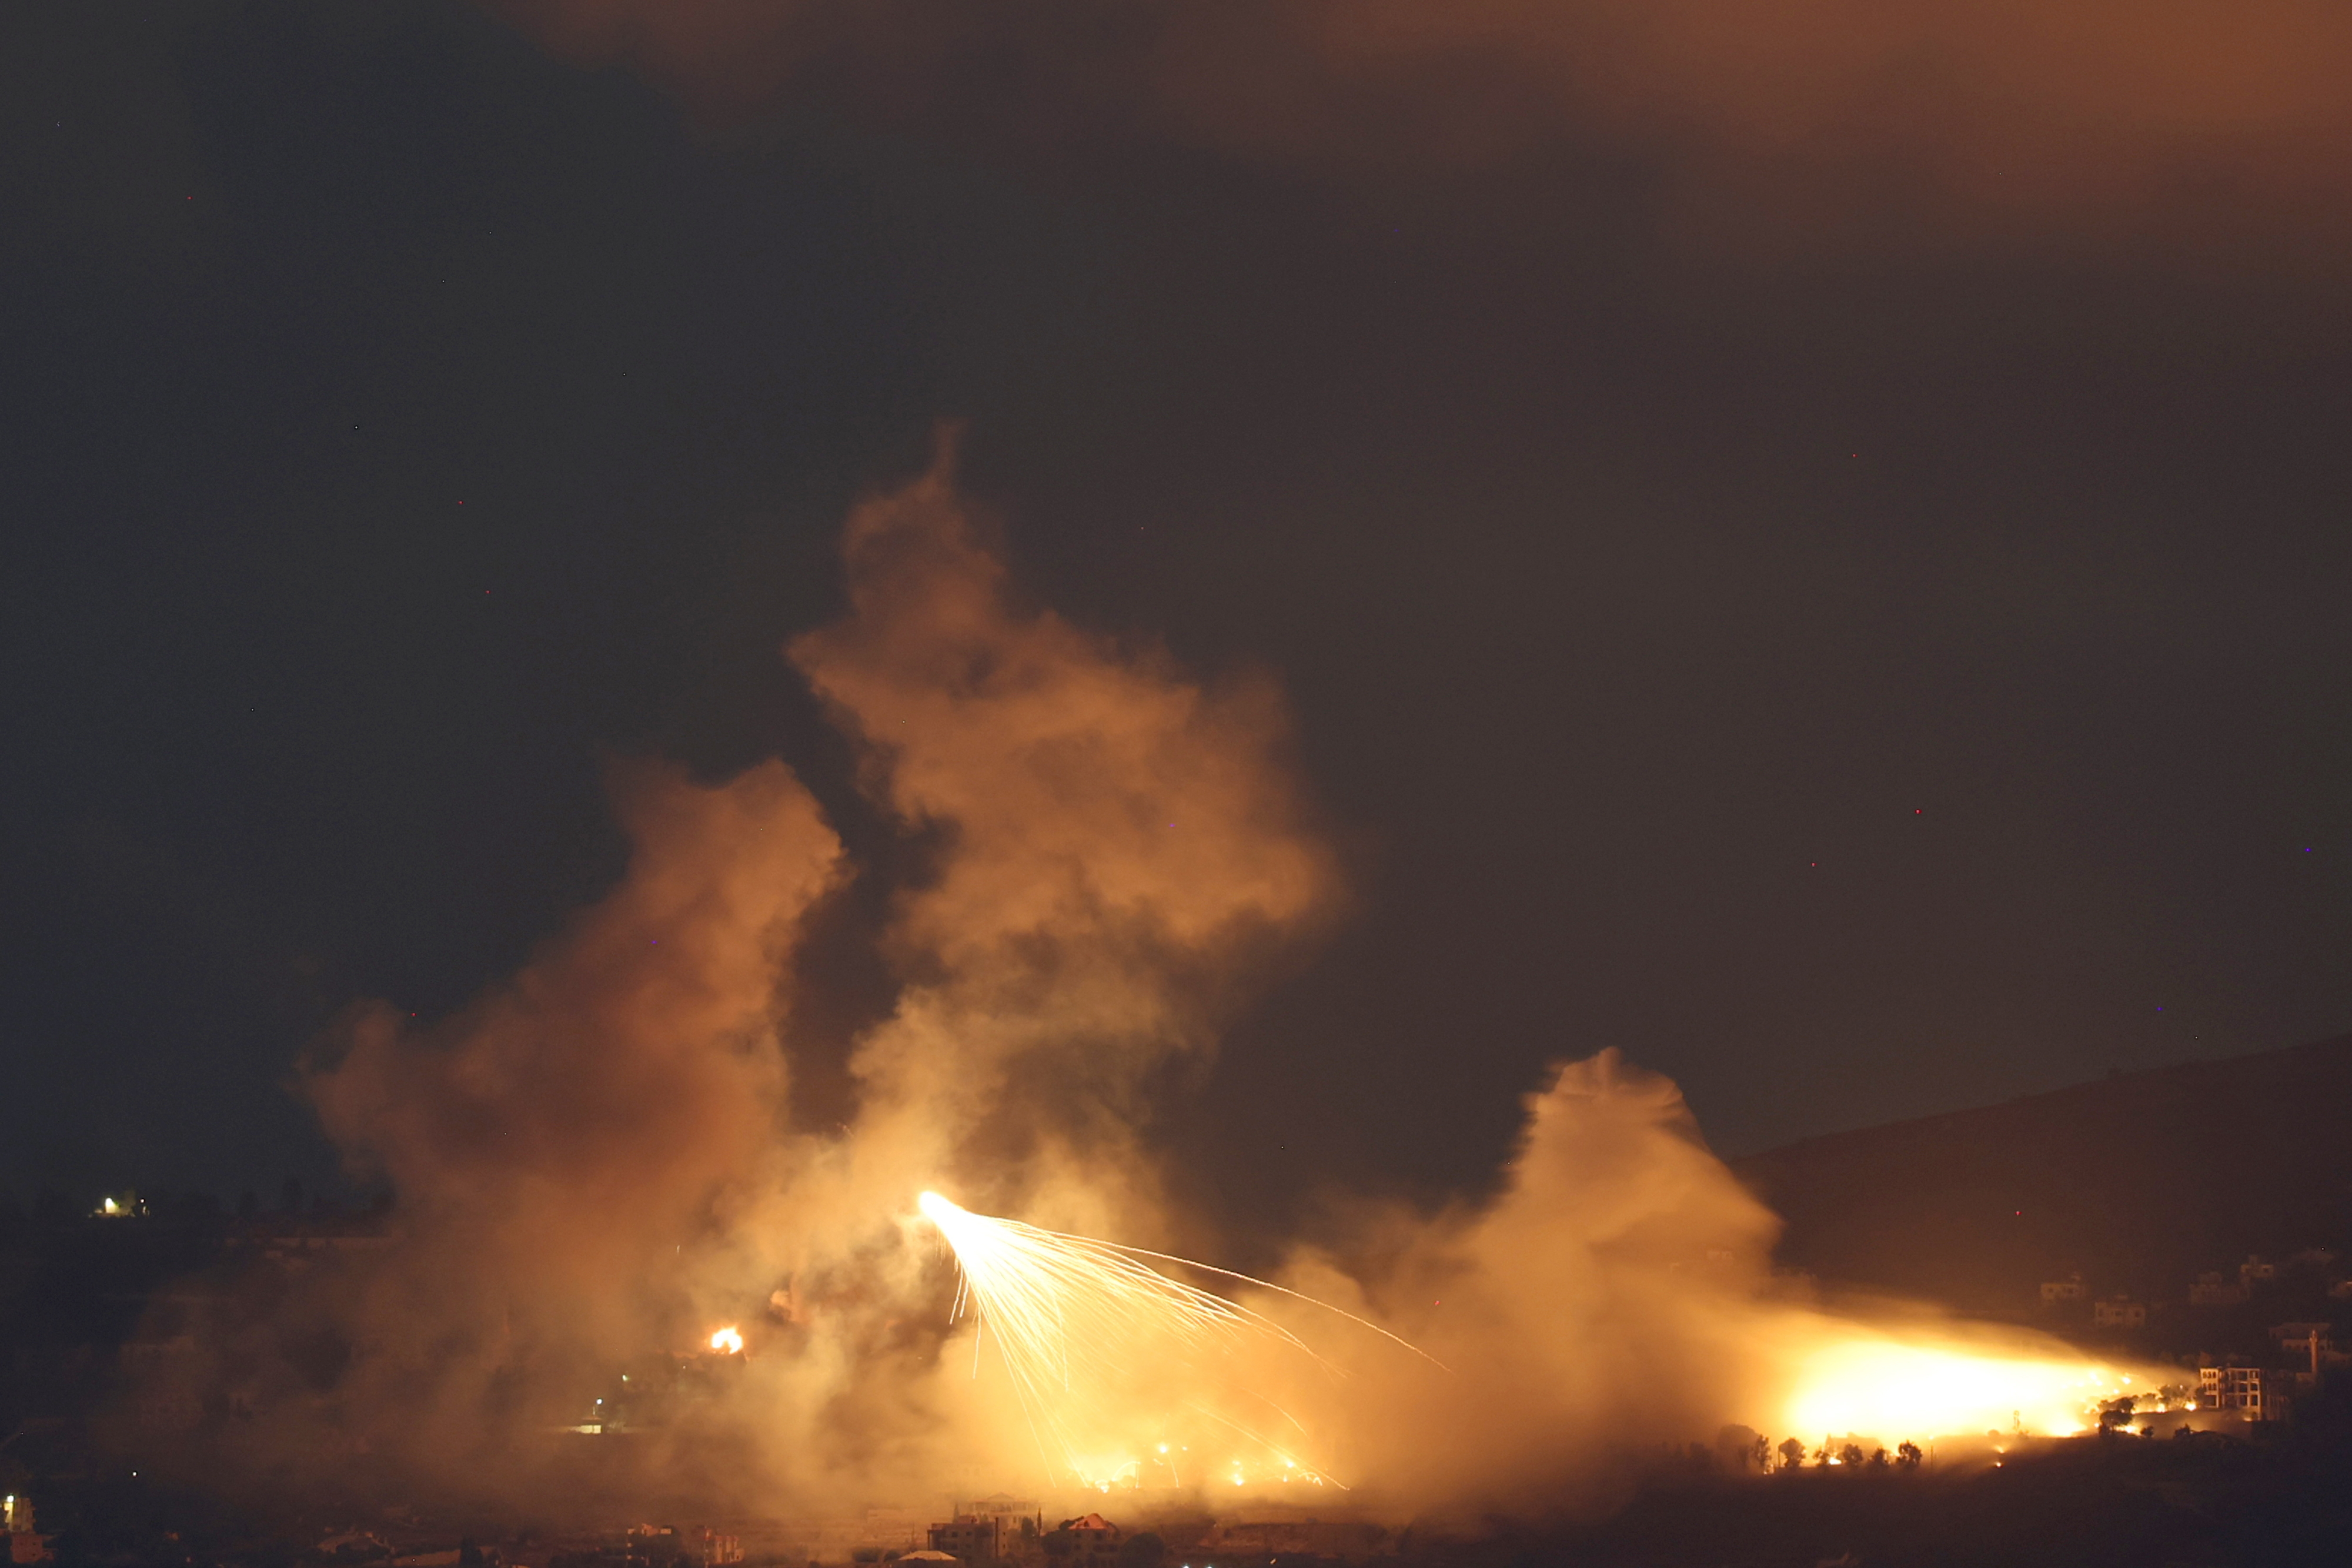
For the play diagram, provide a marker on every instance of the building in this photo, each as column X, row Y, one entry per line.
column 2212, row 1291
column 1093, row 1542
column 2240, row 1388
column 2296, row 1336
column 2119, row 1312
column 1009, row 1511
column 971, row 1538
column 2255, row 1268
column 2069, row 1289
column 2311, row 1343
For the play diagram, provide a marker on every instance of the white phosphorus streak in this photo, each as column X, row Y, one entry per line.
column 1071, row 1314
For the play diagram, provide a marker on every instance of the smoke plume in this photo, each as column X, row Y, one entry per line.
column 558, row 1147
column 594, row 1163
column 1121, row 843
column 607, row 1221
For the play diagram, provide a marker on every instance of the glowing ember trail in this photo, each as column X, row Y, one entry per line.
column 1082, row 1323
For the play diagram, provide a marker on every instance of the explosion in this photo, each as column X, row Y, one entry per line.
column 609, row 1153
column 1075, row 1319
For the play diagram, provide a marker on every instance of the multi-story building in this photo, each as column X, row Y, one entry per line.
column 2119, row 1312
column 2233, row 1389
column 975, row 1539
column 1093, row 1542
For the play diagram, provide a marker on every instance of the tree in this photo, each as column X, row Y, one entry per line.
column 1792, row 1453
column 1878, row 1459
column 1907, row 1455
column 1741, row 1449
column 1850, row 1456
column 1143, row 1550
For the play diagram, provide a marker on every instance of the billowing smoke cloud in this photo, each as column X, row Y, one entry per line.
column 1596, row 1304
column 1122, row 842
column 595, row 1162
column 1615, row 1301
column 566, row 1150
column 2085, row 116
column 596, row 1165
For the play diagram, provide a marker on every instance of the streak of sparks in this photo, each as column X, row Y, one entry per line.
column 1071, row 1314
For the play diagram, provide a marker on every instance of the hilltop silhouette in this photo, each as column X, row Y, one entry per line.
column 2139, row 1182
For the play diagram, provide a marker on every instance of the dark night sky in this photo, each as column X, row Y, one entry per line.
column 1860, row 667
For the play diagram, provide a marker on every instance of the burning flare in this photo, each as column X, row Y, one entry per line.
column 728, row 1341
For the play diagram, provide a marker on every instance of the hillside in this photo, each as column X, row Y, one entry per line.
column 2138, row 1181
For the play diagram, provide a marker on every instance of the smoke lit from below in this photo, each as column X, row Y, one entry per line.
column 610, row 1222
column 1072, row 1319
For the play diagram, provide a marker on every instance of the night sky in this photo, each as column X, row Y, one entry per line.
column 1864, row 634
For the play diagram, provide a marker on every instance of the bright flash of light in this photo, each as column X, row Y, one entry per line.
column 1051, row 1297
column 727, row 1342
column 1075, row 1318
column 1895, row 1391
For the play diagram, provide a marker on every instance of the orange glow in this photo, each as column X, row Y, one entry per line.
column 727, row 1342
column 1096, row 1343
column 1875, row 1384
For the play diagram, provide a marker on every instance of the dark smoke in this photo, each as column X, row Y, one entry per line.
column 1790, row 124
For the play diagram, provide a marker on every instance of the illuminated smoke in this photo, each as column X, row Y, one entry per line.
column 1612, row 1299
column 564, row 1147
column 595, row 1164
column 1086, row 1335
column 2089, row 116
column 1123, row 840
column 1616, row 1296
column 596, row 1161
column 1115, row 1363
